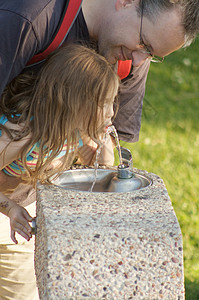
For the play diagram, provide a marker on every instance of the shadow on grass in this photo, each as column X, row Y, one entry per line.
column 191, row 289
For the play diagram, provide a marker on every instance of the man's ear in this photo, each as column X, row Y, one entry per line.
column 123, row 4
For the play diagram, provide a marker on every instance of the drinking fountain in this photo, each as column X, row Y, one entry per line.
column 119, row 240
column 114, row 179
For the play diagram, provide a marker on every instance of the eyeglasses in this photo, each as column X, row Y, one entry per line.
column 145, row 49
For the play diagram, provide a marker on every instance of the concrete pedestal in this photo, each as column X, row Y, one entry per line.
column 108, row 245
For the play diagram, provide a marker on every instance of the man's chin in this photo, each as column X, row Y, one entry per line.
column 110, row 57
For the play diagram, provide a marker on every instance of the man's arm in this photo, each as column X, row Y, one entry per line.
column 18, row 44
column 128, row 119
column 26, row 28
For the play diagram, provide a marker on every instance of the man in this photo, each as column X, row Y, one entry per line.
column 121, row 30
column 27, row 28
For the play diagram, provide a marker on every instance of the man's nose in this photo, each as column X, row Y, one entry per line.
column 138, row 58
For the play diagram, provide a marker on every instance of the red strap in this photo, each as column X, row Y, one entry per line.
column 71, row 13
column 124, row 68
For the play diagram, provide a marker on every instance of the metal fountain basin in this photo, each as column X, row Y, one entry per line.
column 106, row 181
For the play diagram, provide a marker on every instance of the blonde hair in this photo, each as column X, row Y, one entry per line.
column 70, row 87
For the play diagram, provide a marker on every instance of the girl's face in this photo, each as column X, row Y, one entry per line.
column 105, row 115
column 106, row 112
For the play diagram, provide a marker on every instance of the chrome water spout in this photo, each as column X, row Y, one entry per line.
column 125, row 169
column 124, row 172
column 125, row 180
column 127, row 157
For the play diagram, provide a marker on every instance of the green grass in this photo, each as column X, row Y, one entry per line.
column 169, row 146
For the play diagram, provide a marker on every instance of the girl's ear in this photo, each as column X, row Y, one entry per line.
column 122, row 4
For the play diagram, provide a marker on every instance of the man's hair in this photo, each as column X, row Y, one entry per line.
column 189, row 9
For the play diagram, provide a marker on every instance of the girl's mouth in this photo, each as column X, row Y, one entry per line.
column 106, row 128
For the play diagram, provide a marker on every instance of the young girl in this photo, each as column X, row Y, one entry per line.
column 42, row 119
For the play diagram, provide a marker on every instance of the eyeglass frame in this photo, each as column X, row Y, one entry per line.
column 145, row 49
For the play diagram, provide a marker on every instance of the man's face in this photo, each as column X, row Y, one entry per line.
column 119, row 34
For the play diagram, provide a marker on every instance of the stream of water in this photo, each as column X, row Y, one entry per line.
column 111, row 129
column 96, row 165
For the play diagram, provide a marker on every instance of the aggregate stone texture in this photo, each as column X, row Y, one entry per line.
column 108, row 245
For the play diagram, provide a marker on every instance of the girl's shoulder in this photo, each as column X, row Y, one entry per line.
column 3, row 119
column 9, row 125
